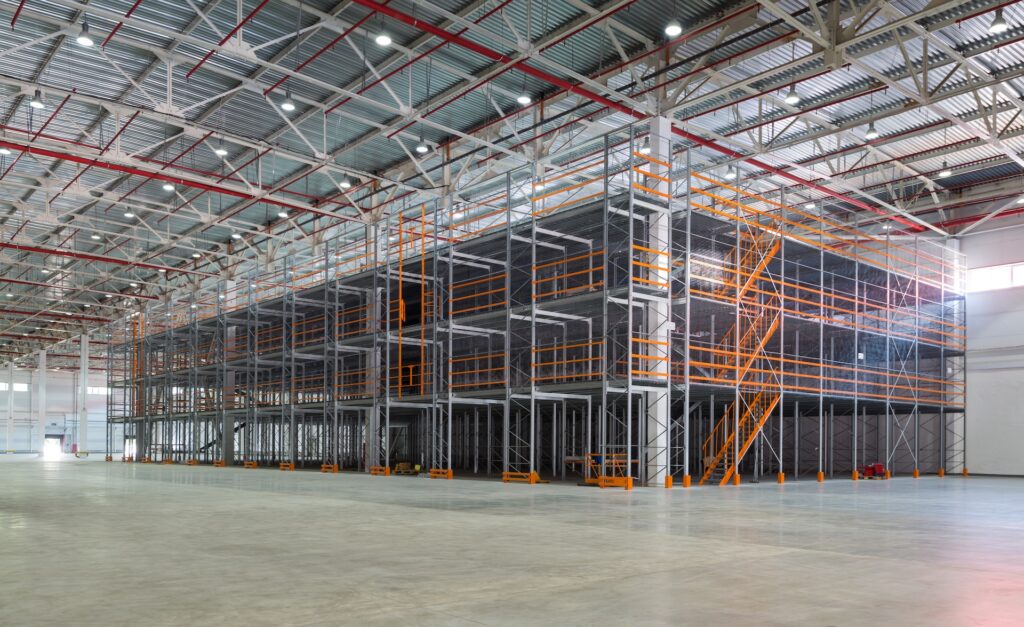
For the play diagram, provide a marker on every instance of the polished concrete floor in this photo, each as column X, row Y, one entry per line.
column 93, row 543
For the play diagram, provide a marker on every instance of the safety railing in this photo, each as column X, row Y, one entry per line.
column 478, row 371
column 572, row 274
column 564, row 362
column 822, row 303
column 478, row 294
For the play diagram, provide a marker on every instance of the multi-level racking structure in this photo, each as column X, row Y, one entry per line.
column 607, row 314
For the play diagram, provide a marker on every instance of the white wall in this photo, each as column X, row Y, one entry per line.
column 995, row 361
column 61, row 410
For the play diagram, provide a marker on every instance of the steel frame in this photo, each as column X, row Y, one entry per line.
column 592, row 323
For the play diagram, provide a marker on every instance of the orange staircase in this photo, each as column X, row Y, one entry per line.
column 745, row 361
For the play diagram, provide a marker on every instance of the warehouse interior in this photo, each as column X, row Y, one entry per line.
column 469, row 311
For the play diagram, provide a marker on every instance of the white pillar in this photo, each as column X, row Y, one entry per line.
column 227, row 303
column 83, row 395
column 659, row 313
column 10, row 407
column 41, row 402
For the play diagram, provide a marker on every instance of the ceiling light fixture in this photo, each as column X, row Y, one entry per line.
column 133, row 285
column 45, row 271
column 524, row 100
column 168, row 187
column 129, row 214
column 998, row 24
column 383, row 40
column 345, row 183
column 196, row 255
column 809, row 206
column 945, row 172
column 792, row 98
column 872, row 132
column 422, row 147
column 37, row 100
column 4, row 152
column 220, row 151
column 95, row 236
column 730, row 173
column 161, row 270
column 288, row 105
column 282, row 214
column 645, row 148
column 673, row 28
column 84, row 39
column 236, row 236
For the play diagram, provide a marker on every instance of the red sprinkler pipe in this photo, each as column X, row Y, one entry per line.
column 57, row 252
column 104, row 292
column 415, row 60
column 165, row 166
column 605, row 71
column 17, row 13
column 59, row 355
column 103, row 150
column 319, row 52
column 223, row 41
column 611, row 104
column 52, row 314
column 118, row 26
column 157, row 176
column 36, row 135
column 34, row 338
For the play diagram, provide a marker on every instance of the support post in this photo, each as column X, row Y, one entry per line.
column 83, row 395
column 41, row 402
column 659, row 311
column 9, row 442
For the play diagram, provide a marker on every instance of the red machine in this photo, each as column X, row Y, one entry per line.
column 873, row 470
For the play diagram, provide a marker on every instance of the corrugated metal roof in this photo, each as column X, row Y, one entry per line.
column 739, row 101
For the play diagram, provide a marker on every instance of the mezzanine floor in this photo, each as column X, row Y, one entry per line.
column 93, row 543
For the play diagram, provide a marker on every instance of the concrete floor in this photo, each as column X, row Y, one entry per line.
column 93, row 543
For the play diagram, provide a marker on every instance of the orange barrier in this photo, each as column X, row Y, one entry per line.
column 441, row 473
column 380, row 471
column 607, row 481
column 250, row 464
column 520, row 477
column 333, row 468
column 219, row 463
column 287, row 466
